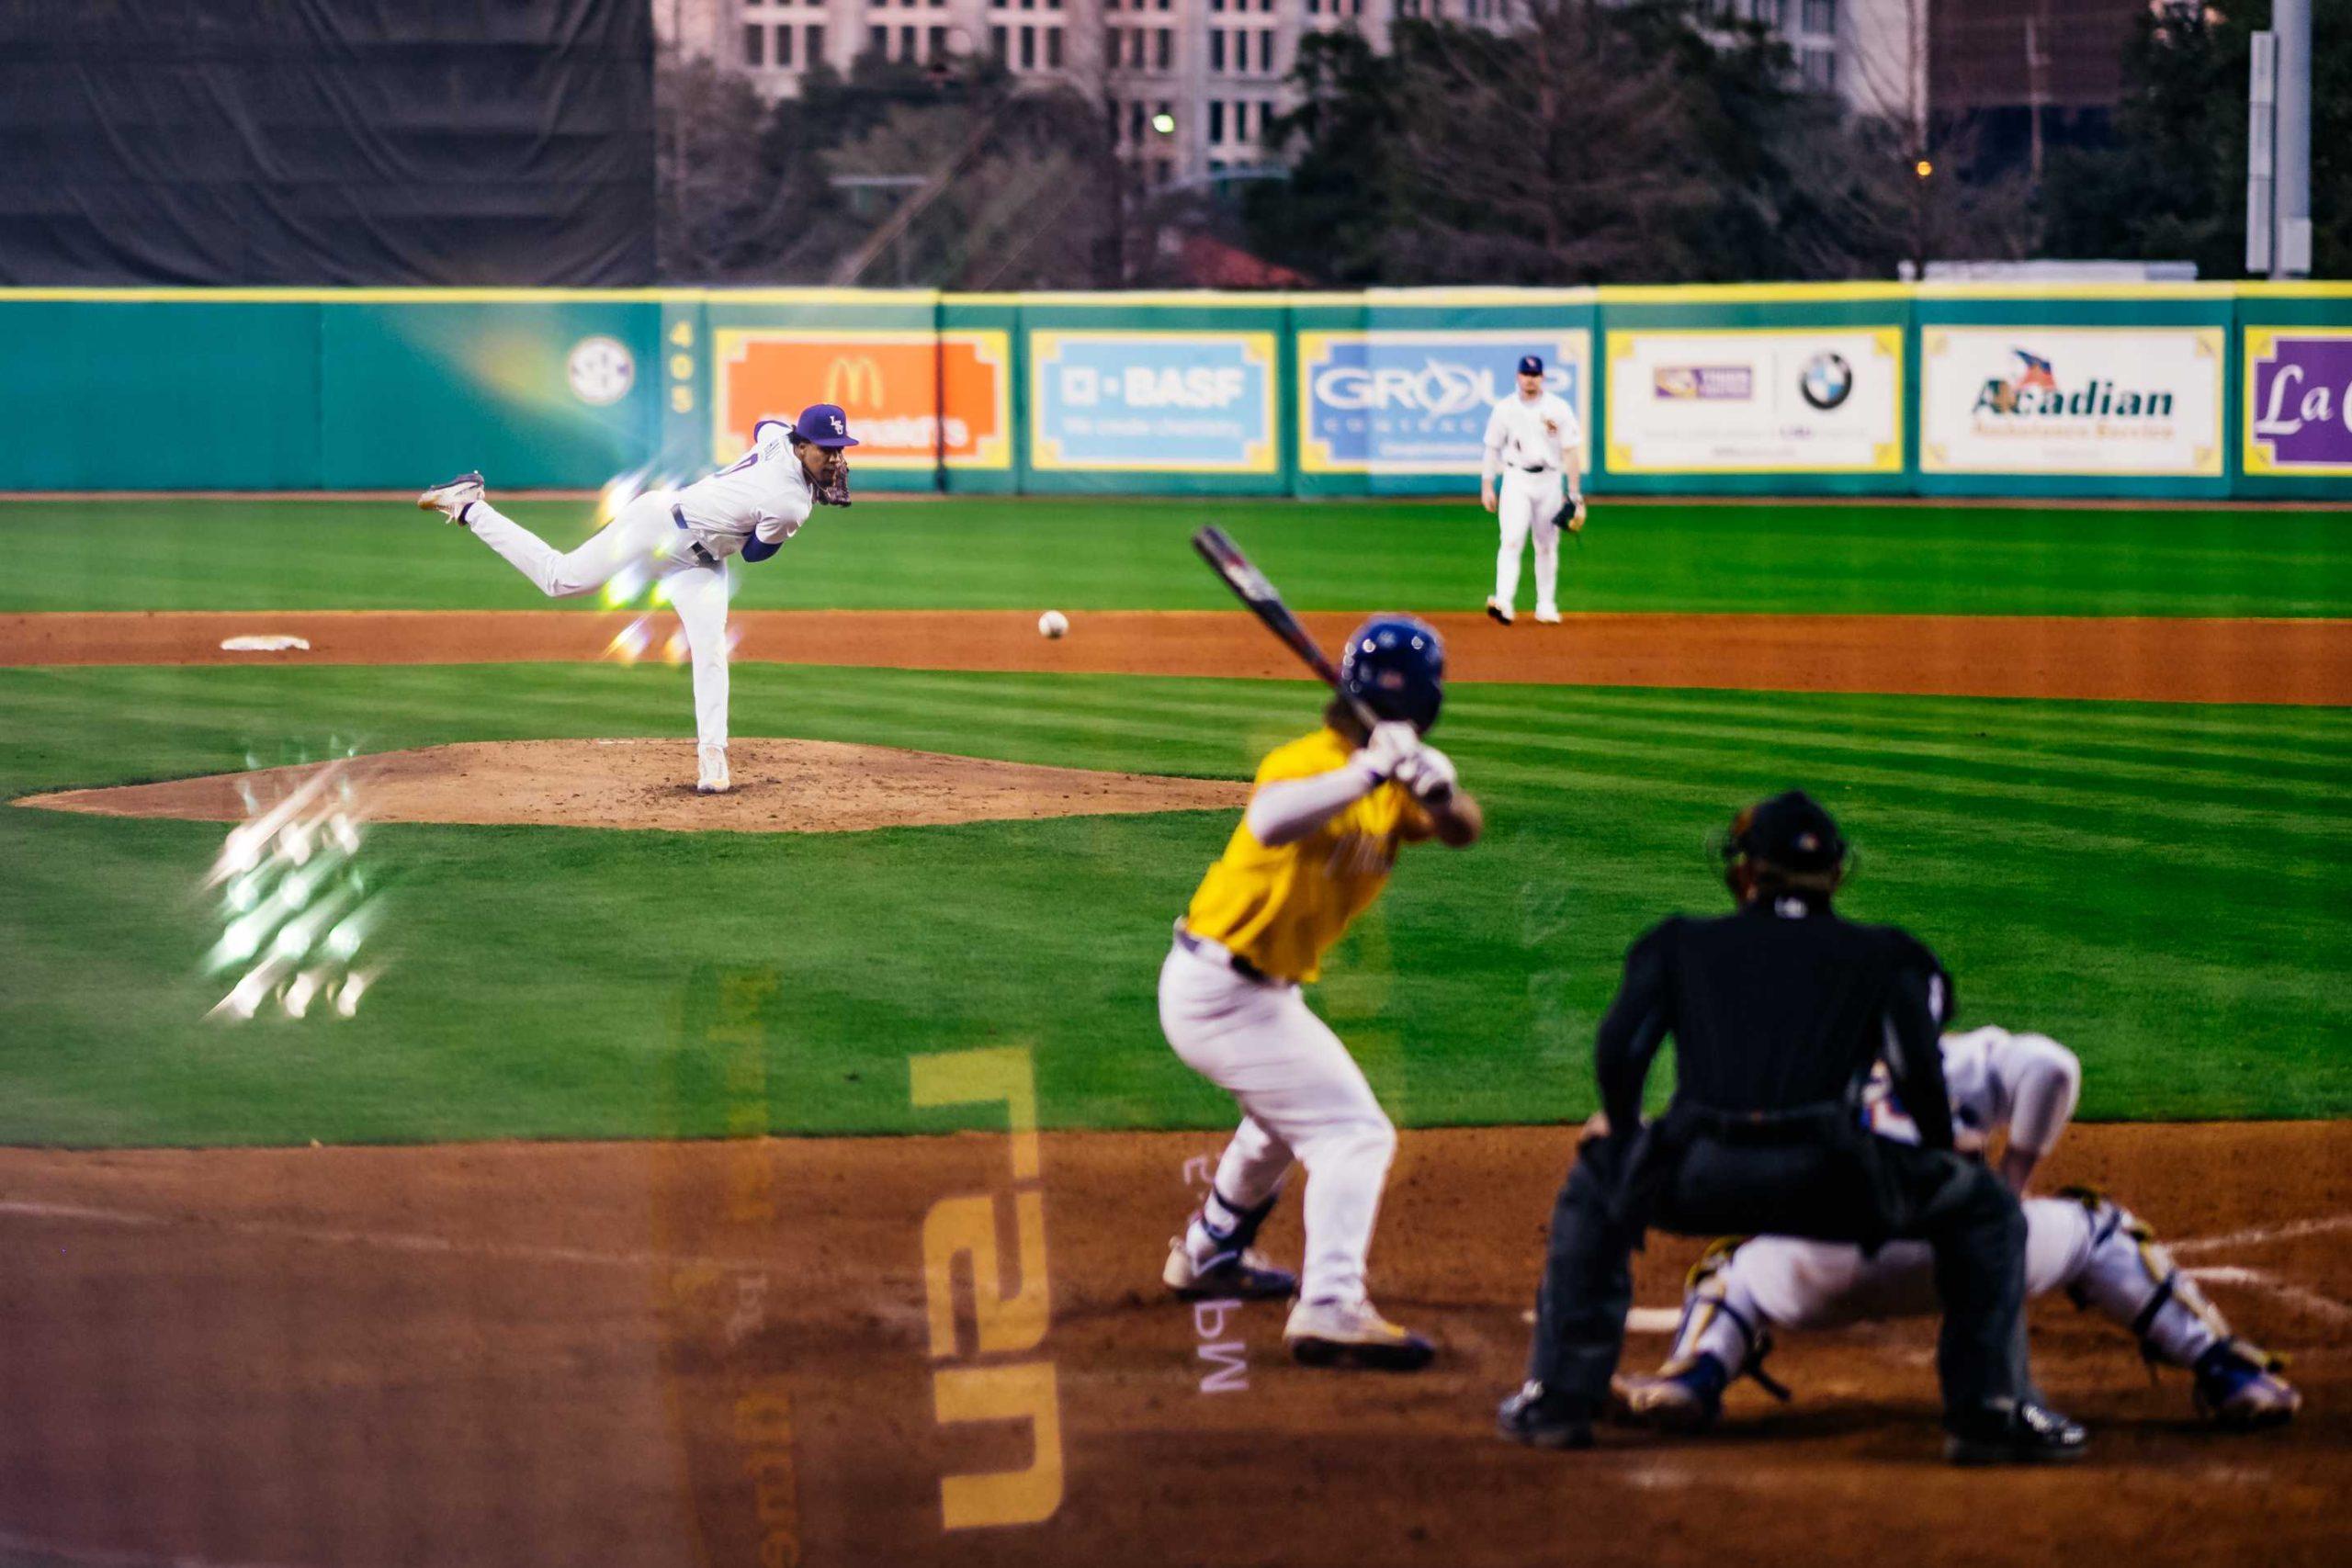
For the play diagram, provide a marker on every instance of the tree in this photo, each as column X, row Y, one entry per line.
column 2169, row 184
column 1661, row 140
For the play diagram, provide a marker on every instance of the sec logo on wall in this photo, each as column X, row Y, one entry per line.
column 601, row 370
column 914, row 400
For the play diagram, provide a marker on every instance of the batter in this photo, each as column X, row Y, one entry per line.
column 683, row 539
column 1535, row 443
column 1313, row 851
column 2098, row 1253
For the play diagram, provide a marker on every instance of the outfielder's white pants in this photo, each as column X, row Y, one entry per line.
column 1529, row 504
column 1780, row 1281
column 1302, row 1098
column 645, row 538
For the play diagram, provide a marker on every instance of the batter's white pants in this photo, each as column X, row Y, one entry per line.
column 1529, row 504
column 1302, row 1098
column 645, row 538
column 2096, row 1251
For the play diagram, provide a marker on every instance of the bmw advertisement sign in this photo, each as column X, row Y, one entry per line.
column 1416, row 402
column 1756, row 401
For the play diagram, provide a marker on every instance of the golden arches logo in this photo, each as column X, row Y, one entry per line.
column 854, row 383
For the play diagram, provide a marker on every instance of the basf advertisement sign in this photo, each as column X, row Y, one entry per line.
column 1172, row 402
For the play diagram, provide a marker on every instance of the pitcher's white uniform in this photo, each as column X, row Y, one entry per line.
column 2027, row 1084
column 681, row 539
column 1534, row 446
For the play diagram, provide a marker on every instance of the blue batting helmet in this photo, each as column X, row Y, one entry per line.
column 1395, row 665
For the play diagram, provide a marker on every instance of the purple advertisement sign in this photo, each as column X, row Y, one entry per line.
column 2300, row 401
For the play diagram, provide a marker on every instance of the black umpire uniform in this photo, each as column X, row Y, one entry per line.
column 1778, row 1012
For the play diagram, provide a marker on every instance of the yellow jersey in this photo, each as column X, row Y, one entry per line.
column 1284, row 909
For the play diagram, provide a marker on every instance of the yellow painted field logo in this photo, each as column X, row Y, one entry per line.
column 992, row 1372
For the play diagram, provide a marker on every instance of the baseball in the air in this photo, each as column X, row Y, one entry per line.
column 1052, row 623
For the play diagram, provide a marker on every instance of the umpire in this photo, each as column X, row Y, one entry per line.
column 1778, row 1011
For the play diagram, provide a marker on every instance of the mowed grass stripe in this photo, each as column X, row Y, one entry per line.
column 542, row 976
column 1080, row 554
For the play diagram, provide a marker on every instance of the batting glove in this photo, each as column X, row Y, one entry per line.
column 1429, row 774
column 1391, row 744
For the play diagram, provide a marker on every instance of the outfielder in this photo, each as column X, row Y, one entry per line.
column 1535, row 442
column 1313, row 851
column 683, row 539
column 2079, row 1242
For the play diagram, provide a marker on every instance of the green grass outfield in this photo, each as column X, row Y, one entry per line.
column 1016, row 553
column 2164, row 888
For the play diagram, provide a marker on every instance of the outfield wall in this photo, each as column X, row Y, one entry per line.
column 2185, row 390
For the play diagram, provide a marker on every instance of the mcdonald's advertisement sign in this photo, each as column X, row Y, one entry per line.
column 915, row 399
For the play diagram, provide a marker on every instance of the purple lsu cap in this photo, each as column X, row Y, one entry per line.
column 824, row 425
column 1531, row 364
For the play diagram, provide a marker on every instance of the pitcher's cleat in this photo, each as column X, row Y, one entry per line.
column 2023, row 1433
column 1685, row 1398
column 1547, row 615
column 1245, row 1275
column 451, row 499
column 2238, row 1388
column 1499, row 611
column 1351, row 1333
column 1542, row 1419
column 713, row 779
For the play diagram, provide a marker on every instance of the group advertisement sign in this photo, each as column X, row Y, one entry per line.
column 1198, row 402
column 915, row 399
column 1801, row 400
column 1416, row 403
column 2299, row 400
column 2135, row 402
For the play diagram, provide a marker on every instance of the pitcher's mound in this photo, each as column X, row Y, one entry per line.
column 781, row 786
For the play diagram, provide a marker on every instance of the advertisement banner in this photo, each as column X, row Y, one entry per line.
column 1198, row 402
column 2137, row 401
column 2299, row 400
column 1783, row 399
column 1416, row 402
column 915, row 399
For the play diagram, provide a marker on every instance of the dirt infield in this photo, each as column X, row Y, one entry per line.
column 2125, row 657
column 715, row 1353
column 781, row 786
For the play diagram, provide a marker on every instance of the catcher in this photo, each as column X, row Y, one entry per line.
column 1779, row 1011
column 2098, row 1253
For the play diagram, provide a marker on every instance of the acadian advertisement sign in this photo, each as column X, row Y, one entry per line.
column 2094, row 400
column 914, row 399
column 1197, row 403
column 1808, row 400
column 1416, row 402
column 2299, row 400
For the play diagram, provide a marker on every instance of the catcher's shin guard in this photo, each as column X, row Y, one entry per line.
column 2129, row 1277
column 1717, row 1343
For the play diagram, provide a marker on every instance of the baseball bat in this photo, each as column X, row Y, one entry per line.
column 1249, row 586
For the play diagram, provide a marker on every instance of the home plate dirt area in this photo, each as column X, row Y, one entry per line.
column 717, row 1353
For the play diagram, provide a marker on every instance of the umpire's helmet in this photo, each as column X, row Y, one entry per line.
column 1395, row 665
column 1788, row 841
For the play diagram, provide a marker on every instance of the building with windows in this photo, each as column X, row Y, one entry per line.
column 1189, row 86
